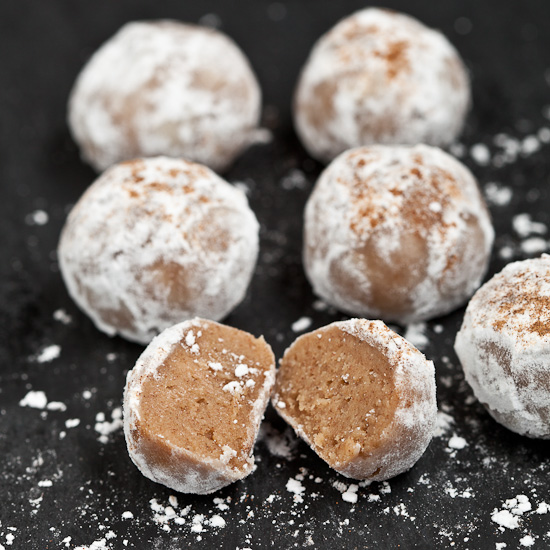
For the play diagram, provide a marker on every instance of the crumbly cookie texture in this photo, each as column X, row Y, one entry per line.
column 193, row 404
column 504, row 346
column 165, row 88
column 156, row 241
column 380, row 77
column 397, row 233
column 360, row 395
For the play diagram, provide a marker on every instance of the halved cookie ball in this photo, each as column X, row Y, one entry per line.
column 396, row 233
column 380, row 76
column 156, row 241
column 165, row 88
column 193, row 404
column 360, row 395
column 504, row 346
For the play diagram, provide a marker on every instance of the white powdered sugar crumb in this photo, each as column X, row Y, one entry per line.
column 295, row 486
column 303, row 323
column 127, row 515
column 56, row 406
column 527, row 541
column 416, row 335
column 543, row 508
column 524, row 226
column 105, row 427
column 62, row 316
column 45, row 483
column 480, row 153
column 233, row 387
column 533, row 245
column 241, row 370
column 457, row 442
column 49, row 353
column 38, row 217
column 215, row 366
column 295, row 179
column 35, row 400
column 505, row 519
column 72, row 422
column 350, row 495
column 497, row 194
column 217, row 521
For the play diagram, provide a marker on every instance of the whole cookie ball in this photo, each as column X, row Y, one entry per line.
column 157, row 241
column 504, row 346
column 380, row 77
column 398, row 233
column 165, row 88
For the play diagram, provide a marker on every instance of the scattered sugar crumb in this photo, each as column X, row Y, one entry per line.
column 457, row 442
column 497, row 194
column 480, row 153
column 56, row 406
column 34, row 400
column 38, row 217
column 62, row 316
column 296, row 487
column 303, row 323
column 505, row 519
column 524, row 226
column 527, row 541
column 295, row 179
column 533, row 245
column 72, row 422
column 443, row 424
column 48, row 354
column 105, row 428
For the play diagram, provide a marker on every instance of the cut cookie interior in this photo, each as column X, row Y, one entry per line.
column 193, row 405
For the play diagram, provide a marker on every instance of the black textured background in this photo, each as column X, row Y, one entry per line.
column 43, row 45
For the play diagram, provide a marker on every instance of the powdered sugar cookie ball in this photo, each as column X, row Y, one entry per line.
column 380, row 77
column 156, row 241
column 165, row 88
column 504, row 346
column 398, row 233
column 193, row 404
column 361, row 396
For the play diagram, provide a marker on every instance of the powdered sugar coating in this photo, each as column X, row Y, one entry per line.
column 413, row 422
column 165, row 88
column 193, row 473
column 380, row 77
column 399, row 233
column 504, row 346
column 156, row 241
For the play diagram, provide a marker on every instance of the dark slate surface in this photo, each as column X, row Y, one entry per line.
column 56, row 486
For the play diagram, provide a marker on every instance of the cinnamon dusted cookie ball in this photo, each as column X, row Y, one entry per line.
column 504, row 346
column 156, row 241
column 193, row 404
column 361, row 396
column 398, row 233
column 165, row 88
column 380, row 77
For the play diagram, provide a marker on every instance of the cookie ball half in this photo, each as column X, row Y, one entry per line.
column 193, row 404
column 361, row 396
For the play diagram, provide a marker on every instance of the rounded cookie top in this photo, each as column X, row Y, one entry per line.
column 165, row 88
column 504, row 346
column 396, row 232
column 380, row 76
column 154, row 241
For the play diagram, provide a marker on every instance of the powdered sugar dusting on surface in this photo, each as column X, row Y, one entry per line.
column 164, row 87
column 504, row 345
column 361, row 199
column 356, row 87
column 155, row 241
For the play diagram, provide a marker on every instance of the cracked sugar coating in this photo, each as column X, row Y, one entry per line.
column 156, row 241
column 504, row 346
column 398, row 233
column 193, row 404
column 380, row 77
column 361, row 396
column 165, row 88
